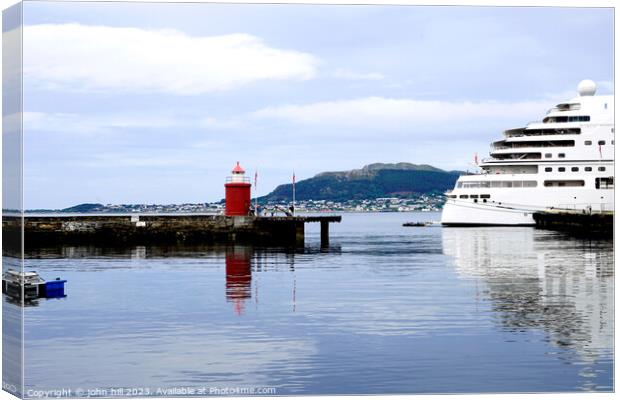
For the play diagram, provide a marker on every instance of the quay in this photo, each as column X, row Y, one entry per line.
column 600, row 224
column 132, row 229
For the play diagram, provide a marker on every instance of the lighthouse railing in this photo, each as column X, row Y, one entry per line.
column 237, row 179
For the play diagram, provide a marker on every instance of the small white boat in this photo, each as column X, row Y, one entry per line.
column 30, row 285
column 13, row 282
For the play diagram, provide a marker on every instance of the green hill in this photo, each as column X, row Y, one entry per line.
column 85, row 208
column 369, row 182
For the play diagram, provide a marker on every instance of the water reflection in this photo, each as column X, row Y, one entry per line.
column 12, row 334
column 542, row 280
column 239, row 261
column 434, row 310
column 238, row 276
column 19, row 302
column 162, row 317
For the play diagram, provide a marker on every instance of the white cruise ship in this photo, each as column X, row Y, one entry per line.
column 564, row 162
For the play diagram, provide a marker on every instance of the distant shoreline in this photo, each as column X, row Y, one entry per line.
column 94, row 214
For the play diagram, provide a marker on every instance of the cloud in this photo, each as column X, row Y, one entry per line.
column 369, row 118
column 87, row 124
column 102, row 58
column 409, row 116
column 356, row 76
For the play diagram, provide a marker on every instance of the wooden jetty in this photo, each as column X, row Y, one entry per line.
column 116, row 230
column 600, row 224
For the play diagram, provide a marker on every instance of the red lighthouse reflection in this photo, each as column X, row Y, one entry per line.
column 238, row 276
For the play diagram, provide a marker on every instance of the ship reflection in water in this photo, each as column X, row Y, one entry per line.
column 238, row 276
column 542, row 280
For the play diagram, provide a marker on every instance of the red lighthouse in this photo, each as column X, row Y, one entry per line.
column 238, row 192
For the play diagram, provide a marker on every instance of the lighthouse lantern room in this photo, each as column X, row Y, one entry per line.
column 238, row 197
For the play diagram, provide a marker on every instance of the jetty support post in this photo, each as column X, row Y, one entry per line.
column 299, row 233
column 324, row 233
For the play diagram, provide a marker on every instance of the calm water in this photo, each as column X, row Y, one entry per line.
column 385, row 309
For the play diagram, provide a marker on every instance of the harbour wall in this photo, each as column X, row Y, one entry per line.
column 158, row 229
column 577, row 224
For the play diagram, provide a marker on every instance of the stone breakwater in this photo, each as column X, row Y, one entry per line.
column 151, row 229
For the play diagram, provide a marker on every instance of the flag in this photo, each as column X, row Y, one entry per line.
column 255, row 178
column 476, row 158
column 293, row 177
column 600, row 151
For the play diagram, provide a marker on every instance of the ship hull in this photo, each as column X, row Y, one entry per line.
column 455, row 214
column 515, row 207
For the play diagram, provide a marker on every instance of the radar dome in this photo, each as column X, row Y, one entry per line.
column 586, row 87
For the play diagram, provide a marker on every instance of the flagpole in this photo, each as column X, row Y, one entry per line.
column 256, row 193
column 293, row 193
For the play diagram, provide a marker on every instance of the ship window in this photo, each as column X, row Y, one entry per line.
column 574, row 169
column 463, row 196
column 612, row 142
column 548, row 169
column 512, row 184
column 588, row 169
column 587, row 142
column 567, row 107
column 547, row 155
column 605, row 183
column 485, row 196
column 452, row 196
column 601, row 168
column 601, row 142
column 561, row 169
column 502, row 145
column 474, row 184
column 572, row 118
column 561, row 155
column 473, row 196
column 538, row 132
column 573, row 183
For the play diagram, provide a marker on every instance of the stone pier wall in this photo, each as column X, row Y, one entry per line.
column 577, row 224
column 154, row 229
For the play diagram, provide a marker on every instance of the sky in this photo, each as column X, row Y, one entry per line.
column 155, row 103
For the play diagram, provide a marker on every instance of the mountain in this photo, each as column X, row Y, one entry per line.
column 370, row 182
